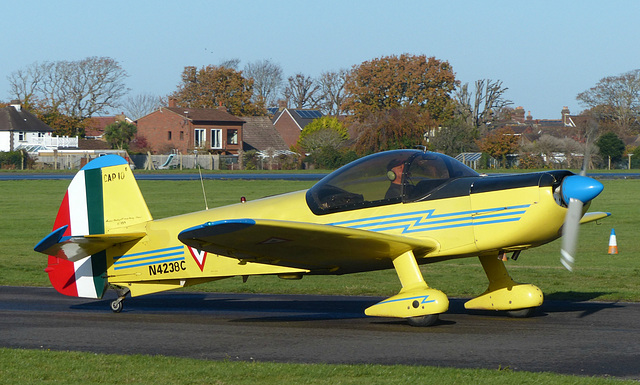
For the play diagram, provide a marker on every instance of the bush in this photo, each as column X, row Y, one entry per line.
column 251, row 160
column 14, row 160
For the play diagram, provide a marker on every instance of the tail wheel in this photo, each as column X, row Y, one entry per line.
column 117, row 305
column 423, row 321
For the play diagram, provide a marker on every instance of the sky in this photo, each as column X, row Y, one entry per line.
column 544, row 52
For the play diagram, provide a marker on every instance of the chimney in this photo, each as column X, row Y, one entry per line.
column 529, row 117
column 565, row 115
column 172, row 102
column 221, row 107
column 282, row 104
column 16, row 104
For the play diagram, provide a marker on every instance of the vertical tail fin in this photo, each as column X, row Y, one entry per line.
column 103, row 198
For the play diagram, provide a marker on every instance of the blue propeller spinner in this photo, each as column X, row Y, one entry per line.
column 581, row 188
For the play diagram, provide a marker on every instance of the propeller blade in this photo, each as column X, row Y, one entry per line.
column 570, row 233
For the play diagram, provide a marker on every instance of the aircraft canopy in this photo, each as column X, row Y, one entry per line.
column 384, row 178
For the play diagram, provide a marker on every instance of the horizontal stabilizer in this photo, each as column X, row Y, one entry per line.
column 594, row 216
column 301, row 244
column 74, row 248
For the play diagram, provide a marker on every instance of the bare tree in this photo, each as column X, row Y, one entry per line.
column 267, row 81
column 140, row 105
column 302, row 91
column 25, row 83
column 488, row 100
column 230, row 63
column 616, row 99
column 333, row 93
column 79, row 88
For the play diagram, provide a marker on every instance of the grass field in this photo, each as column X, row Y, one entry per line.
column 29, row 207
column 48, row 367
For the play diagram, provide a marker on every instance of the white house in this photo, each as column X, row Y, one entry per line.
column 20, row 129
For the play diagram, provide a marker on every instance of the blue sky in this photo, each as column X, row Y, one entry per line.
column 545, row 52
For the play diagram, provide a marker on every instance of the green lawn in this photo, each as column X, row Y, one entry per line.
column 48, row 367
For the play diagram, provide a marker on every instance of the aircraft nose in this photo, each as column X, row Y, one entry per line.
column 581, row 188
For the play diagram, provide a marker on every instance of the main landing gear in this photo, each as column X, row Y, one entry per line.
column 416, row 302
column 503, row 294
column 118, row 303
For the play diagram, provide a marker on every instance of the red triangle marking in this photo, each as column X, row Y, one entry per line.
column 199, row 256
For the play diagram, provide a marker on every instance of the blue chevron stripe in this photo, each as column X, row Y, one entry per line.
column 426, row 220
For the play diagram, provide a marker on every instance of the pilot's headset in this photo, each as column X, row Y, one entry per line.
column 391, row 175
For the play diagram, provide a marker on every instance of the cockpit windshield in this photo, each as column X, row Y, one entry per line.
column 384, row 178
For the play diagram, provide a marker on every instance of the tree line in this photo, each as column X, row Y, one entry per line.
column 396, row 101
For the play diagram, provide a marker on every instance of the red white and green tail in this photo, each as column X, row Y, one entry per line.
column 100, row 207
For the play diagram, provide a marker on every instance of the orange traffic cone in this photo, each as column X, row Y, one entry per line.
column 613, row 244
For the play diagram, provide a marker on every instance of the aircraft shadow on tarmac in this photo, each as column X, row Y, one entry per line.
column 291, row 308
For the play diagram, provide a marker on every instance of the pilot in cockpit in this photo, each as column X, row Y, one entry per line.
column 395, row 168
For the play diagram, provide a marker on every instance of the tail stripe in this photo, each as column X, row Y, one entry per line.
column 94, row 195
column 77, row 205
column 85, row 284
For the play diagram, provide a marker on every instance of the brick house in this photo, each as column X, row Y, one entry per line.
column 188, row 129
column 97, row 124
column 290, row 122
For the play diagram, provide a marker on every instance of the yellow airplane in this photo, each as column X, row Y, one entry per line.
column 396, row 209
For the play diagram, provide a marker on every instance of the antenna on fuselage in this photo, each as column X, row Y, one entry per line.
column 204, row 194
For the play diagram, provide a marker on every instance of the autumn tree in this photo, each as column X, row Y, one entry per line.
column 394, row 82
column 302, row 91
column 212, row 86
column 616, row 99
column 499, row 143
column 119, row 134
column 392, row 129
column 267, row 81
column 63, row 125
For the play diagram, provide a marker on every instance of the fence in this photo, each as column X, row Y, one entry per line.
column 74, row 160
column 180, row 162
column 61, row 161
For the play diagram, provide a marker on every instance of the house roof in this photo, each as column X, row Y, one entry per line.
column 97, row 124
column 300, row 116
column 12, row 119
column 92, row 144
column 258, row 133
column 204, row 114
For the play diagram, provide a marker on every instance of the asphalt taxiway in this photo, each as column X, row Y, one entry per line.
column 580, row 338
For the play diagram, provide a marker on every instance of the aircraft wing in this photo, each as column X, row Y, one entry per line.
column 300, row 244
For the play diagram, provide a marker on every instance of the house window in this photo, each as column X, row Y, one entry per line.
column 232, row 136
column 21, row 136
column 169, row 135
column 216, row 138
column 200, row 137
column 181, row 135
